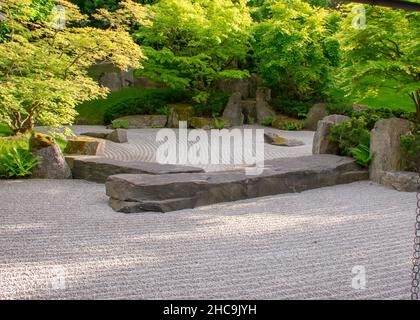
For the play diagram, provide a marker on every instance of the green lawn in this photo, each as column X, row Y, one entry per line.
column 92, row 112
column 389, row 99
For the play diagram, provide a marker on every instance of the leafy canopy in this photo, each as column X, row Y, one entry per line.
column 386, row 53
column 294, row 49
column 191, row 43
column 43, row 70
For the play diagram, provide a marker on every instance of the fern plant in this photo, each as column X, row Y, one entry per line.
column 17, row 162
column 362, row 154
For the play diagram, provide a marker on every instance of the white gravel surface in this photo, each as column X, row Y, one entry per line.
column 59, row 239
column 142, row 146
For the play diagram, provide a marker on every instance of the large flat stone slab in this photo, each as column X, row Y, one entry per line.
column 98, row 169
column 169, row 192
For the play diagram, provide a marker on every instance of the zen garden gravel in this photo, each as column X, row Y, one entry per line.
column 60, row 239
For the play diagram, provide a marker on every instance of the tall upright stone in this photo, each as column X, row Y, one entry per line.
column 263, row 108
column 316, row 114
column 233, row 111
column 322, row 144
column 385, row 146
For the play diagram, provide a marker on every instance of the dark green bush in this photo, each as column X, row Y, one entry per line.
column 295, row 109
column 410, row 145
column 214, row 107
column 340, row 107
column 350, row 135
column 151, row 101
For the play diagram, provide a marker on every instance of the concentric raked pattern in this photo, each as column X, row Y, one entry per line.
column 142, row 146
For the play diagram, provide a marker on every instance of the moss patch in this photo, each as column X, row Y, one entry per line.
column 40, row 141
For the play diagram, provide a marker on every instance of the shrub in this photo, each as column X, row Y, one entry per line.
column 267, row 122
column 16, row 162
column 410, row 145
column 151, row 101
column 119, row 124
column 214, row 107
column 340, row 107
column 293, row 126
column 296, row 109
column 350, row 135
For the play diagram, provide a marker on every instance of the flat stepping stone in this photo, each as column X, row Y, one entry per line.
column 98, row 169
column 169, row 192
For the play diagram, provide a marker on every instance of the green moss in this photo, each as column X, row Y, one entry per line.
column 40, row 140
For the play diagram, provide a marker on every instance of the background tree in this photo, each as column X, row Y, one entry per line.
column 43, row 70
column 386, row 53
column 294, row 50
column 192, row 43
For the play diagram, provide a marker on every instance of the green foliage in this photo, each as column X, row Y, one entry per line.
column 219, row 123
column 386, row 49
column 292, row 108
column 293, row 126
column 350, row 135
column 362, row 154
column 268, row 122
column 410, row 144
column 340, row 107
column 119, row 124
column 190, row 44
column 151, row 101
column 214, row 106
column 356, row 132
column 43, row 71
column 16, row 162
column 294, row 49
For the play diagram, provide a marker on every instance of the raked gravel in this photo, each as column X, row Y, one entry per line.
column 59, row 239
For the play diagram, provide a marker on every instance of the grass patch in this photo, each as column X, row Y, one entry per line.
column 92, row 112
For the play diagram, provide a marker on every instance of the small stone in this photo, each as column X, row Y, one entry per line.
column 117, row 136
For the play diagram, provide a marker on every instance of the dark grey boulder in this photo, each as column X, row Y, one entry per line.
column 98, row 169
column 169, row 192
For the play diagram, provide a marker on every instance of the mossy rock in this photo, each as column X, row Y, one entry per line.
column 40, row 141
column 85, row 146
column 179, row 112
column 283, row 122
column 202, row 123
